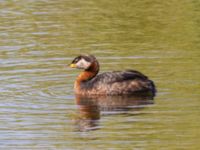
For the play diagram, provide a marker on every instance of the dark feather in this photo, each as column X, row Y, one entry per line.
column 113, row 77
column 118, row 76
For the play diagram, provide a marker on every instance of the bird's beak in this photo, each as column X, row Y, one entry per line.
column 72, row 65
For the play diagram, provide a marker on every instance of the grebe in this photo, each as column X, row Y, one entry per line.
column 109, row 83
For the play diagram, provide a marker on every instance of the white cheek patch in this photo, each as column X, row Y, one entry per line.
column 83, row 64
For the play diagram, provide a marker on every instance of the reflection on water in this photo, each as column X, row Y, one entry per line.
column 91, row 108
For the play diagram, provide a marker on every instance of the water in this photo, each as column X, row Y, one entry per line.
column 38, row 39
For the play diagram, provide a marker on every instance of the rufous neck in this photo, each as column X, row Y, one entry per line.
column 89, row 73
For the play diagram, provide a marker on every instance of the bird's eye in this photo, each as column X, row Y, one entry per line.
column 76, row 60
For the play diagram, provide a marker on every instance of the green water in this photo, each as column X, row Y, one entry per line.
column 38, row 109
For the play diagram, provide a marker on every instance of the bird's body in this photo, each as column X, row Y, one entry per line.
column 109, row 83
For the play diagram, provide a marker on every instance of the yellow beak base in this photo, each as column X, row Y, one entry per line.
column 73, row 65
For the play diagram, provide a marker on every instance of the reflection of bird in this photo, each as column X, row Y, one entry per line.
column 91, row 108
column 88, row 117
column 117, row 102
column 109, row 83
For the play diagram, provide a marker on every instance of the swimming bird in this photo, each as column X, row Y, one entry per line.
column 127, row 82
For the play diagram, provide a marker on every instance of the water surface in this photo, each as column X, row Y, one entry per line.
column 38, row 108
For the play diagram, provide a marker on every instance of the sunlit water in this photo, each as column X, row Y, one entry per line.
column 38, row 109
